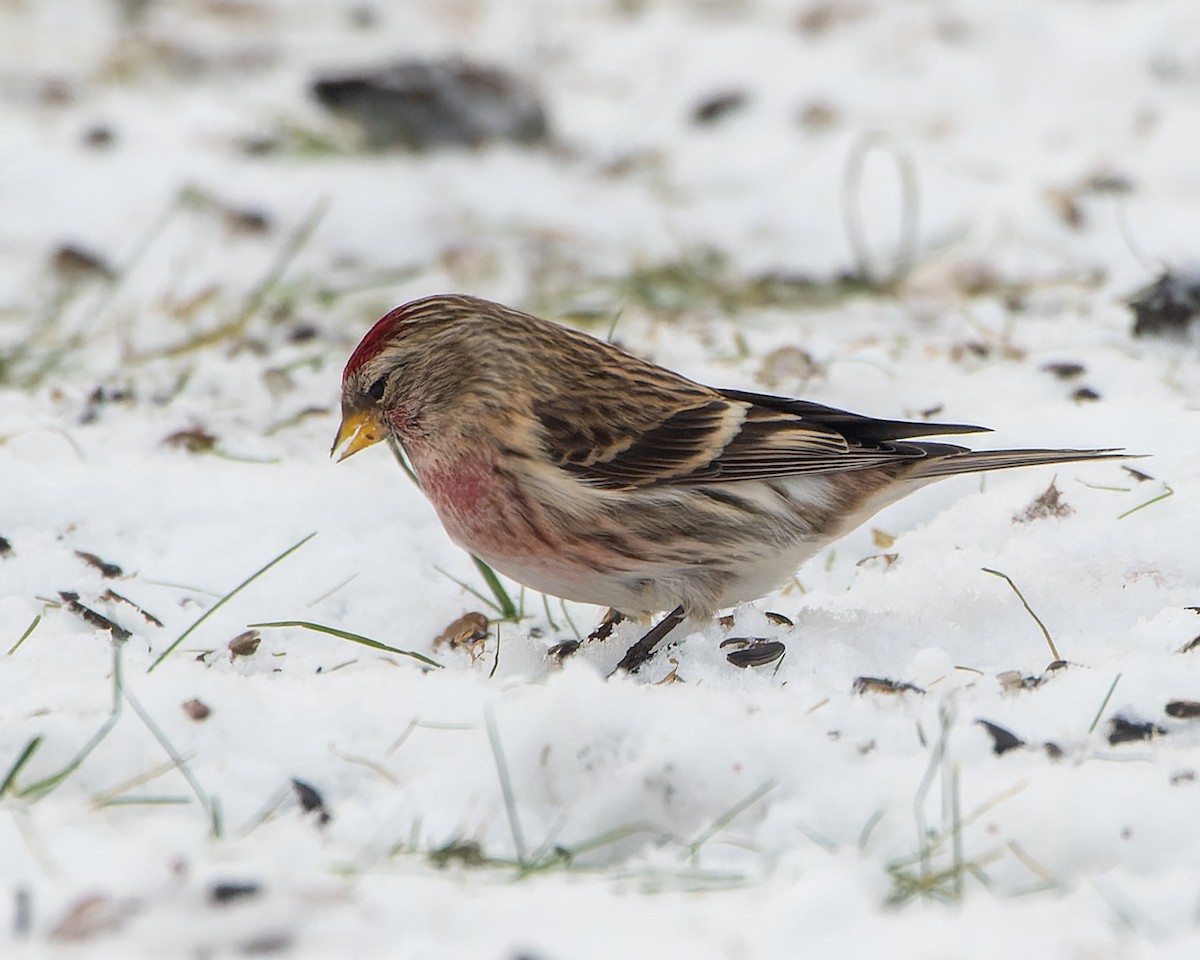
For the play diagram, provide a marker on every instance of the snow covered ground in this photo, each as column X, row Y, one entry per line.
column 176, row 303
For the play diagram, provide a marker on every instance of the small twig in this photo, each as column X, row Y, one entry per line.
column 225, row 599
column 1045, row 633
column 643, row 650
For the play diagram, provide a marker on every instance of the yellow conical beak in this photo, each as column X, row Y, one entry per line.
column 359, row 430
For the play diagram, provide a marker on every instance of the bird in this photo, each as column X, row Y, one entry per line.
column 582, row 471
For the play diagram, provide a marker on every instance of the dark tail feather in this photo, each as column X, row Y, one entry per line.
column 975, row 461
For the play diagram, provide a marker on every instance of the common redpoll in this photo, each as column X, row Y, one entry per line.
column 584, row 472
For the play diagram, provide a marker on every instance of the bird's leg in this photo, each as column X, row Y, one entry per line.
column 641, row 651
column 605, row 628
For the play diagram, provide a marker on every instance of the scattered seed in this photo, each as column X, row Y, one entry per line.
column 787, row 365
column 758, row 653
column 197, row 710
column 118, row 598
column 1183, row 709
column 1182, row 777
column 1053, row 750
column 1065, row 369
column 1065, row 205
column 245, row 644
column 107, row 570
column 1123, row 730
column 246, row 222
column 1012, row 680
column 718, row 106
column 1137, row 474
column 466, row 853
column 817, row 116
column 98, row 136
column 778, row 619
column 1168, row 305
column 1085, row 395
column 468, row 631
column 311, row 800
column 5, row 548
column 606, row 626
column 1002, row 740
column 266, row 943
column 73, row 263
column 97, row 620
column 864, row 685
column 228, row 892
column 1108, row 182
column 881, row 539
column 193, row 440
column 561, row 651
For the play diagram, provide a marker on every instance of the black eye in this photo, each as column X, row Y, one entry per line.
column 377, row 388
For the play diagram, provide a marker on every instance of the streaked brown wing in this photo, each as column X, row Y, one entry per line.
column 724, row 436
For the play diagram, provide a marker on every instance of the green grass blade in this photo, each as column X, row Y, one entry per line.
column 47, row 785
column 1028, row 609
column 347, row 635
column 26, row 755
column 25, row 636
column 177, row 761
column 508, row 609
column 510, row 802
column 225, row 599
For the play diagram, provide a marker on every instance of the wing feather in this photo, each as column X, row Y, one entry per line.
column 706, row 436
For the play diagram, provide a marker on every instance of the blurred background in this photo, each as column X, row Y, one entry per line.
column 176, row 174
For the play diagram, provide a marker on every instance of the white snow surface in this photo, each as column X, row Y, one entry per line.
column 759, row 813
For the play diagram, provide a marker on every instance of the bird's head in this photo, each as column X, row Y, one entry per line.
column 424, row 368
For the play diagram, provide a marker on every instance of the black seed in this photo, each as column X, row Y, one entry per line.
column 757, row 654
column 884, row 685
column 560, row 651
column 1123, row 730
column 226, row 892
column 311, row 800
column 1002, row 740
